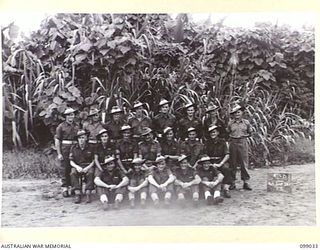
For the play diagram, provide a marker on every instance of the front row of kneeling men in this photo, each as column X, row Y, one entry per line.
column 158, row 181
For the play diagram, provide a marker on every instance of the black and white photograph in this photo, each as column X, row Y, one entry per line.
column 158, row 119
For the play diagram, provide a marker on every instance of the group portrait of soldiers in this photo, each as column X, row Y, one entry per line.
column 158, row 160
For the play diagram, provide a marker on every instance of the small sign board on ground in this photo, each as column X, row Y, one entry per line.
column 279, row 182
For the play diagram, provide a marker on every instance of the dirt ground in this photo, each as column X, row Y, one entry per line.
column 37, row 203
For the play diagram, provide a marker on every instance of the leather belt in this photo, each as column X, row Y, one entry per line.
column 68, row 142
column 215, row 158
column 127, row 160
column 238, row 138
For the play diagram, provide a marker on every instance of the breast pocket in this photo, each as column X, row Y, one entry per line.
column 89, row 155
column 116, row 179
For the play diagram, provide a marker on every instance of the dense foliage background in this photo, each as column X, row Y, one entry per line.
column 97, row 60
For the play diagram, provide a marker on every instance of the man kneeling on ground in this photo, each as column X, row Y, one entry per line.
column 211, row 180
column 161, row 182
column 187, row 182
column 111, row 183
column 138, row 183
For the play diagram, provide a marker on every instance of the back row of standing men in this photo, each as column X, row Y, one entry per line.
column 136, row 138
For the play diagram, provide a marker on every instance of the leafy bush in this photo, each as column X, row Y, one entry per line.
column 28, row 163
column 86, row 60
column 302, row 151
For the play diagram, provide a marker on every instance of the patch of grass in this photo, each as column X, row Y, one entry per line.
column 29, row 163
column 303, row 151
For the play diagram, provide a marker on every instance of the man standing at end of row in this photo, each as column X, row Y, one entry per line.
column 64, row 139
column 239, row 130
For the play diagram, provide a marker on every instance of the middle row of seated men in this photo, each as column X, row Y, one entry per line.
column 154, row 169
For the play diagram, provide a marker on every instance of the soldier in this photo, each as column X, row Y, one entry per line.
column 104, row 149
column 164, row 118
column 211, row 179
column 239, row 130
column 82, row 163
column 94, row 126
column 127, row 149
column 192, row 147
column 211, row 119
column 111, row 184
column 64, row 139
column 170, row 148
column 139, row 119
column 217, row 149
column 161, row 182
column 187, row 181
column 149, row 148
column 115, row 124
column 189, row 121
column 138, row 183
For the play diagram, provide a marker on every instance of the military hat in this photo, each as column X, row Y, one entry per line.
column 236, row 108
column 163, row 102
column 138, row 160
column 204, row 158
column 137, row 104
column 211, row 107
column 102, row 131
column 213, row 127
column 109, row 159
column 115, row 109
column 93, row 112
column 82, row 132
column 160, row 159
column 191, row 129
column 145, row 131
column 188, row 105
column 69, row 111
column 167, row 129
column 182, row 157
column 125, row 127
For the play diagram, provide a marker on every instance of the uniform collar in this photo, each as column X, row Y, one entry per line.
column 238, row 121
column 216, row 140
column 69, row 124
column 85, row 147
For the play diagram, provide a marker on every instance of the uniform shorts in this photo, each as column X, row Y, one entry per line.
column 153, row 189
column 134, row 183
column 204, row 188
column 111, row 194
column 187, row 191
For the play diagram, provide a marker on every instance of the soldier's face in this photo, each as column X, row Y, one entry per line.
column 184, row 164
column 116, row 116
column 206, row 165
column 148, row 137
column 104, row 138
column 190, row 111
column 96, row 118
column 164, row 108
column 139, row 110
column 137, row 167
column 213, row 113
column 110, row 166
column 161, row 165
column 192, row 135
column 214, row 134
column 238, row 114
column 126, row 134
column 169, row 135
column 70, row 117
column 82, row 140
